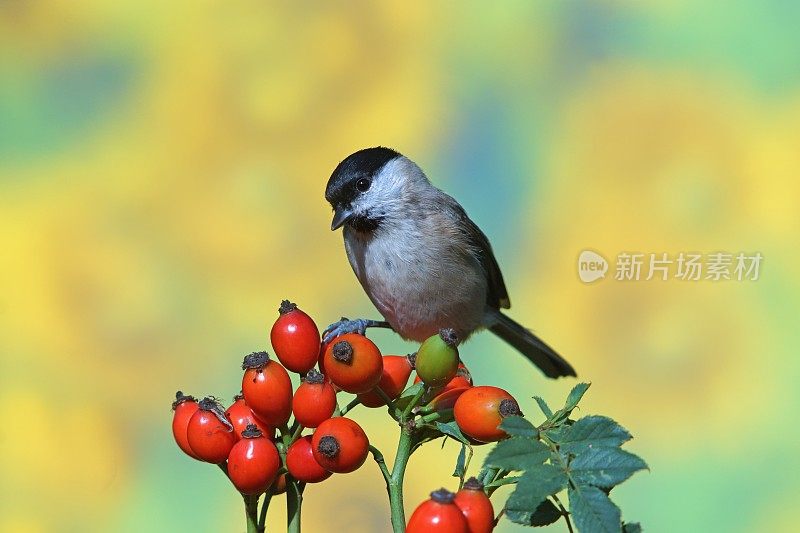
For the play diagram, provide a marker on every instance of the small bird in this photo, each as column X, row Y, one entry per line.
column 421, row 260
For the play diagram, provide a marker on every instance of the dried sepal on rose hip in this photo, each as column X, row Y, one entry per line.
column 480, row 410
column 295, row 338
column 314, row 400
column 210, row 433
column 183, row 408
column 253, row 462
column 437, row 358
column 267, row 389
column 476, row 506
column 438, row 514
column 340, row 445
column 353, row 363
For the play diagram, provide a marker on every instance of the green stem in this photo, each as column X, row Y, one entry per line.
column 494, row 485
column 388, row 401
column 378, row 456
column 349, row 407
column 466, row 466
column 294, row 504
column 395, row 482
column 413, row 403
column 251, row 514
column 262, row 521
column 298, row 430
column 563, row 512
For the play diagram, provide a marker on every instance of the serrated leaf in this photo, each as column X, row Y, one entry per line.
column 543, row 406
column 452, row 430
column 593, row 511
column 590, row 432
column 547, row 513
column 519, row 427
column 573, row 398
column 605, row 467
column 517, row 453
column 461, row 462
column 575, row 395
column 536, row 484
column 631, row 527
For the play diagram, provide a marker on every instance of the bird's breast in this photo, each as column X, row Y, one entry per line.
column 419, row 285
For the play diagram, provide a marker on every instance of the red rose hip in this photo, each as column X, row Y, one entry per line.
column 440, row 514
column 353, row 363
column 209, row 433
column 301, row 463
column 340, row 445
column 253, row 462
column 267, row 389
column 295, row 339
column 314, row 400
column 183, row 407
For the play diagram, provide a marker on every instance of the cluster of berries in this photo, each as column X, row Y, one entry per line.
column 242, row 439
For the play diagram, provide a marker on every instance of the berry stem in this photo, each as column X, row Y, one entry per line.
column 381, row 462
column 294, row 504
column 251, row 514
column 413, row 403
column 350, row 406
column 389, row 402
column 262, row 521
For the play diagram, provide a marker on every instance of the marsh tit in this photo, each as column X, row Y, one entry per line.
column 421, row 260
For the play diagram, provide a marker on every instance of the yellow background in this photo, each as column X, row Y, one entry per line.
column 162, row 167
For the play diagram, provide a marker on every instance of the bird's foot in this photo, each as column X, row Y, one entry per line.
column 345, row 325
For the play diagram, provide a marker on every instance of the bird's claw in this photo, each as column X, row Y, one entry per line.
column 345, row 326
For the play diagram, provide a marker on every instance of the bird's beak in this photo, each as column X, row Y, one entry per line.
column 340, row 216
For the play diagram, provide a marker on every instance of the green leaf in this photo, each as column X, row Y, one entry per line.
column 590, row 432
column 452, row 430
column 517, row 453
column 543, row 406
column 575, row 395
column 631, row 527
column 519, row 427
column 535, row 485
column 604, row 467
column 461, row 462
column 547, row 513
column 407, row 395
column 593, row 511
column 573, row 398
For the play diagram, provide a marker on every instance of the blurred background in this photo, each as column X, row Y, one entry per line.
column 162, row 168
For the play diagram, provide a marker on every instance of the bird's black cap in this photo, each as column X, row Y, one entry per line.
column 364, row 163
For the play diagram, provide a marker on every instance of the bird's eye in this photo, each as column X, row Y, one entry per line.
column 363, row 184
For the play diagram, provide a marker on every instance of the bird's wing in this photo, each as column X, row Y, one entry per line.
column 497, row 295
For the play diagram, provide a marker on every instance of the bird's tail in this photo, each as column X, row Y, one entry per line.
column 528, row 344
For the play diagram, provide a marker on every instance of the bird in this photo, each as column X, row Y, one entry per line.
column 424, row 264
